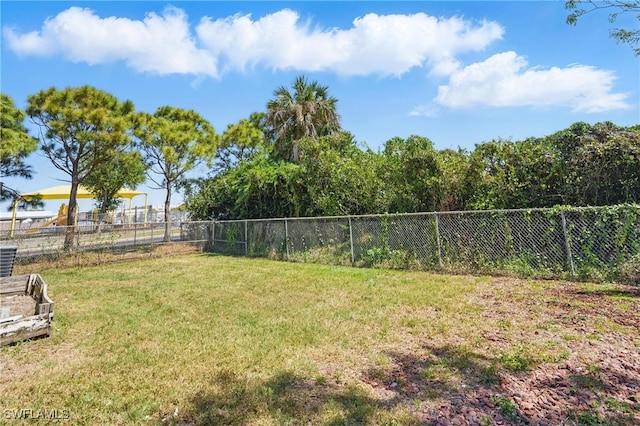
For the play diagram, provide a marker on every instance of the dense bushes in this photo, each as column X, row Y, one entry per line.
column 584, row 165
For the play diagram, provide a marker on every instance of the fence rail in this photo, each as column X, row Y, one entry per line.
column 599, row 243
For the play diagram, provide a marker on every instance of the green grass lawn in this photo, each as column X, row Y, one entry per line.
column 203, row 339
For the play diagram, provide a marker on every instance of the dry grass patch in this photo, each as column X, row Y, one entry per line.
column 80, row 259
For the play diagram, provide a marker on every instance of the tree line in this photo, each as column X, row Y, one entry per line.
column 295, row 159
column 583, row 165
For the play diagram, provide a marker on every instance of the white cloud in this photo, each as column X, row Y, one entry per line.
column 425, row 110
column 375, row 44
column 385, row 45
column 504, row 80
column 166, row 44
column 160, row 44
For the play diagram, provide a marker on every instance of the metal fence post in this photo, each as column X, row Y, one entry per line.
column 438, row 239
column 246, row 240
column 353, row 259
column 78, row 238
column 286, row 238
column 213, row 237
column 567, row 242
column 135, row 227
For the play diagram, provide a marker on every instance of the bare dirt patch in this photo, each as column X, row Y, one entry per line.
column 565, row 354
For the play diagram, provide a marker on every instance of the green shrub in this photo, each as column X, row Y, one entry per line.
column 630, row 271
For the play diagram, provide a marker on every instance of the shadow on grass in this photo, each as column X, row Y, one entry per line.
column 389, row 395
column 466, row 381
column 411, row 374
column 452, row 381
column 626, row 293
column 286, row 399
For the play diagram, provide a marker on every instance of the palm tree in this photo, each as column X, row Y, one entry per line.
column 307, row 112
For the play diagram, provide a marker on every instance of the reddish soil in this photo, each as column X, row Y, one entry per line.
column 591, row 378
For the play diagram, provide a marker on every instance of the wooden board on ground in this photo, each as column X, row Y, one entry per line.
column 26, row 311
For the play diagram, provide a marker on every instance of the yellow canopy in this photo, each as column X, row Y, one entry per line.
column 61, row 192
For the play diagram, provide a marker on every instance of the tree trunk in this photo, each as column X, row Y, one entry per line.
column 70, row 233
column 101, row 214
column 295, row 152
column 167, row 215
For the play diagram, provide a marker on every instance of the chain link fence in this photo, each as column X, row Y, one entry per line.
column 42, row 242
column 589, row 243
column 598, row 244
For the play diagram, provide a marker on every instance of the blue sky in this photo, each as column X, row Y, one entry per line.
column 459, row 73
